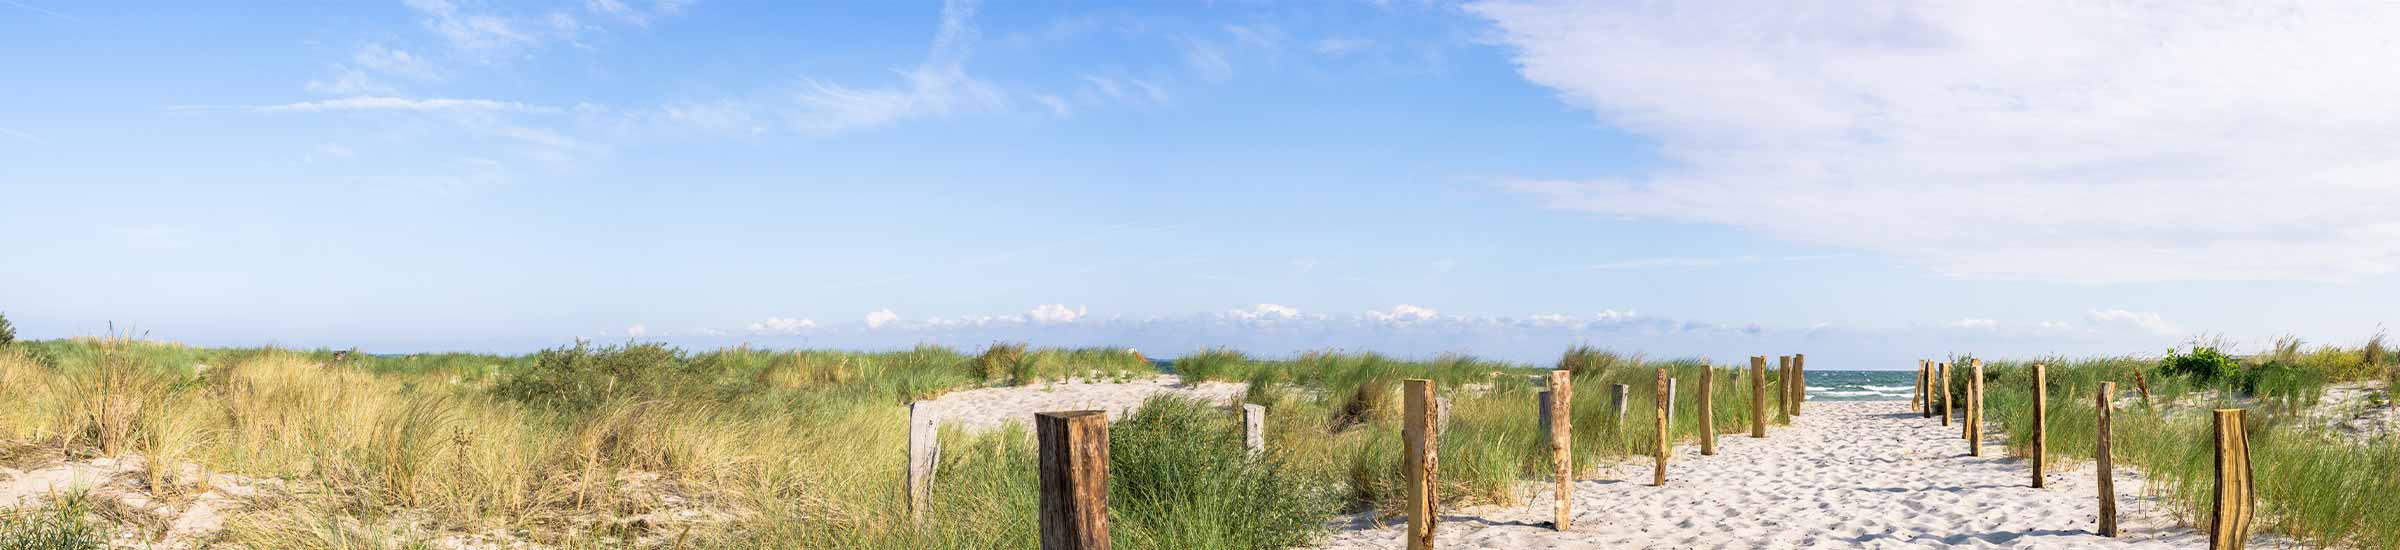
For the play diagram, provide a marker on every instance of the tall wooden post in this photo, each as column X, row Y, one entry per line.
column 1559, row 401
column 1783, row 386
column 1419, row 464
column 1623, row 392
column 1799, row 382
column 2101, row 454
column 924, row 452
column 1254, row 429
column 1916, row 401
column 1975, row 409
column 1758, row 396
column 1663, row 397
column 1708, row 409
column 1074, row 477
column 2229, row 522
column 1945, row 382
column 1673, row 393
column 2041, row 424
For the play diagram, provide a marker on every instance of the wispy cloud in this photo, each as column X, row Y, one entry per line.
column 40, row 10
column 23, row 136
column 1862, row 124
column 1694, row 263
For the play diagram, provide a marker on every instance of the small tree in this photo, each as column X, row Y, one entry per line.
column 8, row 334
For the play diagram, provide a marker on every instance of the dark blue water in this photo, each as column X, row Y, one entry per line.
column 1861, row 385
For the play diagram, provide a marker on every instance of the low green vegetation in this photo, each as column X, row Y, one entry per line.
column 60, row 524
column 2312, row 485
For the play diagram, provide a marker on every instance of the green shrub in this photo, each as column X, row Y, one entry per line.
column 582, row 377
column 1000, row 361
column 2374, row 355
column 8, row 334
column 1211, row 364
column 58, row 525
column 1178, row 478
column 2202, row 364
column 1587, row 361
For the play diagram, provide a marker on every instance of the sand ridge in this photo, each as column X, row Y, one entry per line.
column 1845, row 475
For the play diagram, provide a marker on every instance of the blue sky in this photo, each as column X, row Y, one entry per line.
column 1861, row 182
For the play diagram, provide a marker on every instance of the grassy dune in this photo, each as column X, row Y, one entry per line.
column 645, row 445
column 2312, row 486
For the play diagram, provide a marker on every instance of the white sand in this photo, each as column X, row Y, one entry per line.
column 989, row 408
column 1845, row 475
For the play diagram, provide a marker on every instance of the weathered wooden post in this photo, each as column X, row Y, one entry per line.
column 1783, row 381
column 1975, row 409
column 2229, row 522
column 1799, row 382
column 1673, row 393
column 1758, row 396
column 1618, row 402
column 1074, row 477
column 924, row 453
column 1708, row 409
column 2142, row 385
column 1419, row 464
column 1556, row 407
column 1254, row 428
column 1916, row 401
column 1664, row 395
column 2100, row 454
column 2041, row 424
column 1945, row 381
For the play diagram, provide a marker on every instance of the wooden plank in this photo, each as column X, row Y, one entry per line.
column 1674, row 392
column 1944, row 379
column 1559, row 404
column 1799, row 382
column 1661, row 450
column 1758, row 396
column 1618, row 402
column 1418, row 464
column 2100, row 454
column 2229, row 521
column 1254, row 429
column 1708, row 409
column 1074, row 477
column 1783, row 387
column 2041, row 424
column 924, row 454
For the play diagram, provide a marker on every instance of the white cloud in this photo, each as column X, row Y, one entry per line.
column 637, row 331
column 1055, row 313
column 779, row 325
column 387, row 103
column 880, row 317
column 1264, row 312
column 706, row 332
column 470, row 31
column 2144, row 321
column 2084, row 141
column 1304, row 265
column 1972, row 323
column 1400, row 314
column 20, row 134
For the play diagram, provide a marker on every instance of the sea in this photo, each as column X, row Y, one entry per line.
column 1861, row 385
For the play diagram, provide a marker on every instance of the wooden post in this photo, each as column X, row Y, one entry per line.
column 1975, row 409
column 2143, row 385
column 1665, row 394
column 1799, row 382
column 1783, row 385
column 1708, row 409
column 1945, row 382
column 1557, row 404
column 1254, row 428
column 1074, row 476
column 1419, row 464
column 924, row 452
column 1916, row 401
column 2229, row 523
column 1618, row 403
column 2041, row 423
column 1758, row 396
column 2100, row 454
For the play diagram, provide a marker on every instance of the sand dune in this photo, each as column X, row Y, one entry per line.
column 1846, row 475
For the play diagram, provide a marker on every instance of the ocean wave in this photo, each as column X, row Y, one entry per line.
column 1853, row 393
column 1892, row 388
column 1810, row 388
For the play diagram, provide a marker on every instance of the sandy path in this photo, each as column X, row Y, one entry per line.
column 988, row 408
column 1846, row 475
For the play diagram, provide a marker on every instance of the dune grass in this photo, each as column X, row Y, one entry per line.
column 2312, row 487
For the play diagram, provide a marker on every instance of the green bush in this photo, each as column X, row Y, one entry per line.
column 59, row 525
column 1211, row 364
column 582, row 377
column 1178, row 478
column 2202, row 364
column 8, row 334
